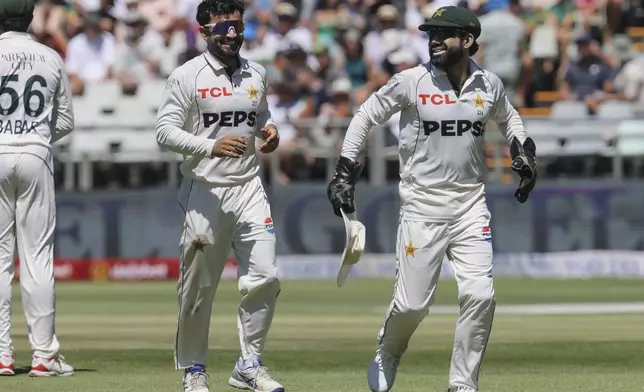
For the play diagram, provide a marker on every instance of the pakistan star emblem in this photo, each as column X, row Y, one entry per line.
column 438, row 12
column 479, row 102
column 410, row 250
column 252, row 92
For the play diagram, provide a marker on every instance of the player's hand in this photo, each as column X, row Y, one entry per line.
column 524, row 163
column 341, row 189
column 230, row 146
column 271, row 139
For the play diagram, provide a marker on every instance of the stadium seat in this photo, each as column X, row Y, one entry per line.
column 635, row 33
column 150, row 93
column 118, row 145
column 85, row 113
column 583, row 139
column 630, row 138
column 535, row 112
column 566, row 140
column 639, row 47
column 567, row 110
column 546, row 137
column 546, row 98
column 103, row 95
column 616, row 110
column 131, row 113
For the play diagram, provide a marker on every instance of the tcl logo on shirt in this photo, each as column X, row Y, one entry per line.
column 229, row 119
column 454, row 127
column 436, row 99
column 214, row 92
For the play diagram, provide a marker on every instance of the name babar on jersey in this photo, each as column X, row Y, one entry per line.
column 230, row 104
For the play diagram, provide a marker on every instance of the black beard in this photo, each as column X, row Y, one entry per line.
column 451, row 57
column 215, row 46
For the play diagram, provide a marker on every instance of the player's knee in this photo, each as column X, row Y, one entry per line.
column 478, row 290
column 266, row 282
column 412, row 308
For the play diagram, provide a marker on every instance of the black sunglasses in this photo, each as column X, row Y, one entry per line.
column 225, row 27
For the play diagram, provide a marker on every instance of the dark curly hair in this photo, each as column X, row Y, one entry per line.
column 209, row 8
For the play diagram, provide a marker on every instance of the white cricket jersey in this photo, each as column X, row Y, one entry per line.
column 201, row 104
column 442, row 161
column 35, row 99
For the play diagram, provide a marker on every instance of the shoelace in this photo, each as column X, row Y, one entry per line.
column 261, row 372
column 391, row 362
column 198, row 380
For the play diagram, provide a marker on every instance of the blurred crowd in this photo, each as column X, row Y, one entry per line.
column 324, row 57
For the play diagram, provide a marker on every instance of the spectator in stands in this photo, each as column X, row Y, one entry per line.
column 630, row 81
column 420, row 38
column 260, row 43
column 287, row 29
column 288, row 108
column 139, row 54
column 332, row 120
column 635, row 13
column 356, row 64
column 589, row 78
column 90, row 55
column 49, row 23
column 500, row 42
column 387, row 37
column 327, row 68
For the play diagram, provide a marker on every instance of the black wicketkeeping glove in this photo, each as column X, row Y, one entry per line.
column 341, row 189
column 525, row 164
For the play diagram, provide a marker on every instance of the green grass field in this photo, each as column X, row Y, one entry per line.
column 119, row 337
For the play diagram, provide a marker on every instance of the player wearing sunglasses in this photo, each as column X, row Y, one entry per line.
column 213, row 109
column 444, row 107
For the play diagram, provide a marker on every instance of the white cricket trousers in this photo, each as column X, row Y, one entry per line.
column 421, row 249
column 218, row 219
column 28, row 219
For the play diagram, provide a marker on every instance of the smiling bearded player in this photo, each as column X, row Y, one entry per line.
column 444, row 105
column 213, row 108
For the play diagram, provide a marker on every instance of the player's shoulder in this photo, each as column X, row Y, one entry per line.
column 189, row 70
column 413, row 73
column 47, row 55
column 254, row 67
column 410, row 76
column 493, row 79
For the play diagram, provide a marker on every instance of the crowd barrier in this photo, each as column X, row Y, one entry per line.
column 559, row 265
column 615, row 139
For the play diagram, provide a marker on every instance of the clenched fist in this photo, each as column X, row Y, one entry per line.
column 230, row 146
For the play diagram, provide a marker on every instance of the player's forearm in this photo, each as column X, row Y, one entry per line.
column 179, row 141
column 357, row 132
column 513, row 127
column 62, row 124
column 264, row 119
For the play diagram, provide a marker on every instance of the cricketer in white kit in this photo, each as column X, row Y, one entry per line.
column 35, row 111
column 213, row 109
column 445, row 105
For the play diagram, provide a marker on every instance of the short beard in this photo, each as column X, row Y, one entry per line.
column 215, row 47
column 448, row 59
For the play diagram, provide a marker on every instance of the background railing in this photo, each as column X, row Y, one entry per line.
column 584, row 148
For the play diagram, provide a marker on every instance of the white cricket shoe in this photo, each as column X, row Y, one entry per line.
column 195, row 379
column 48, row 367
column 7, row 365
column 460, row 389
column 382, row 372
column 254, row 378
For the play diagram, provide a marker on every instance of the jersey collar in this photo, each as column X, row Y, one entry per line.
column 474, row 69
column 217, row 65
column 15, row 34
